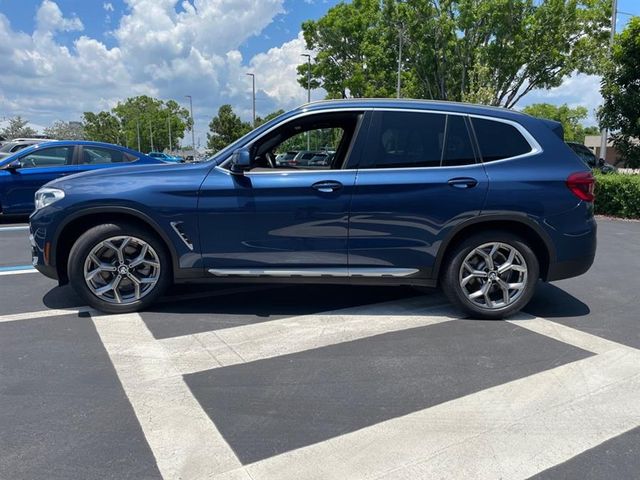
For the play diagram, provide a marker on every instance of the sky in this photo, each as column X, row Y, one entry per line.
column 59, row 58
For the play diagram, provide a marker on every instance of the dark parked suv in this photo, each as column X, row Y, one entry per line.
column 482, row 201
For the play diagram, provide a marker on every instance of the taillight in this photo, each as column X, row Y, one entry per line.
column 582, row 185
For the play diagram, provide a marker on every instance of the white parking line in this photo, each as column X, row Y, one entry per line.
column 562, row 333
column 513, row 431
column 184, row 441
column 229, row 346
column 46, row 314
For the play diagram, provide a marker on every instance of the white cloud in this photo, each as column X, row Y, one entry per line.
column 162, row 49
column 277, row 73
column 169, row 49
column 49, row 20
column 576, row 90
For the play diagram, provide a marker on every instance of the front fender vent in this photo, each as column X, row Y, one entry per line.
column 179, row 229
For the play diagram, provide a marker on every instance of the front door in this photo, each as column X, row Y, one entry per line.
column 284, row 221
column 38, row 167
column 419, row 178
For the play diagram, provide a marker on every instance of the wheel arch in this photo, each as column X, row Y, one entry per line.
column 75, row 225
column 520, row 225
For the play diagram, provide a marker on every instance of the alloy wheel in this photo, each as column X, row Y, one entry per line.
column 493, row 275
column 122, row 269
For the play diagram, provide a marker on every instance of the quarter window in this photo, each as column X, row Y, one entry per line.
column 499, row 140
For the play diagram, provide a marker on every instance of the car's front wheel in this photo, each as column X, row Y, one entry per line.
column 491, row 275
column 119, row 268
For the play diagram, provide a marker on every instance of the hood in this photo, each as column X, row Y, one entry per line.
column 119, row 175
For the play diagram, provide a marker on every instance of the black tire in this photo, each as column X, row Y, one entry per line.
column 452, row 276
column 91, row 239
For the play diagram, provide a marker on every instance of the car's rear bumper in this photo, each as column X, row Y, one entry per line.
column 575, row 239
column 569, row 268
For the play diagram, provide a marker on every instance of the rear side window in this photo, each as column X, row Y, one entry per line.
column 499, row 140
column 457, row 147
column 412, row 139
column 98, row 155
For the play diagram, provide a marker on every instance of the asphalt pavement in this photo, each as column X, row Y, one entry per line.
column 298, row 382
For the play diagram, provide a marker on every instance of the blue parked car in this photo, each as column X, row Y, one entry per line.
column 165, row 157
column 481, row 201
column 24, row 172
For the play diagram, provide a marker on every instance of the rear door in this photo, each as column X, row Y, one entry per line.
column 420, row 177
column 38, row 167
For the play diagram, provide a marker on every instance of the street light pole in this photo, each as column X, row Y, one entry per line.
column 308, row 91
column 604, row 134
column 138, row 132
column 400, row 42
column 193, row 125
column 151, row 135
column 169, row 124
column 253, row 81
column 308, row 76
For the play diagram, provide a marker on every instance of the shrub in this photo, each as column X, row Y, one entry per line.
column 618, row 195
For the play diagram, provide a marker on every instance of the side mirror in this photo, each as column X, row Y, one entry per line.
column 13, row 166
column 240, row 161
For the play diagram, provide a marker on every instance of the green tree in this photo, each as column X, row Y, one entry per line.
column 152, row 119
column 61, row 130
column 226, row 127
column 143, row 117
column 102, row 127
column 621, row 93
column 570, row 118
column 492, row 51
column 18, row 127
column 269, row 117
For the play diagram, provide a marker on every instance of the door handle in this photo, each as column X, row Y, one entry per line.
column 463, row 182
column 327, row 186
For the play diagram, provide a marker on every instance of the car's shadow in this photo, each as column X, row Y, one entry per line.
column 549, row 301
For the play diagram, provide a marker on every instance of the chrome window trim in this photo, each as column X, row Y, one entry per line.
column 533, row 143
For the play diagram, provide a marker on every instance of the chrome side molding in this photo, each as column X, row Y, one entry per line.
column 314, row 272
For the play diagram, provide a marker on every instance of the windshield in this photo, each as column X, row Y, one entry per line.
column 7, row 147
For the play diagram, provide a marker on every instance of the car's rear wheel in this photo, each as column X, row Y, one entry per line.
column 119, row 268
column 491, row 275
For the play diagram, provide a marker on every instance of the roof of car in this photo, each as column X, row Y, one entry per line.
column 63, row 143
column 412, row 104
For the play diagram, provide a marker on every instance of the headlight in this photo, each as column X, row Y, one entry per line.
column 47, row 196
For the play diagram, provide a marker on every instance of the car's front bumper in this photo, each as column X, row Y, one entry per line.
column 39, row 238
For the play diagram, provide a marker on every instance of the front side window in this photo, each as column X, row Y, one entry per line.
column 413, row 139
column 499, row 140
column 99, row 155
column 318, row 142
column 48, row 157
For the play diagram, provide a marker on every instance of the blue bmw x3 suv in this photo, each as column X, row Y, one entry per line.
column 481, row 201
